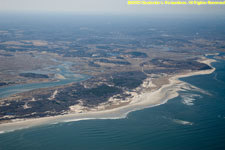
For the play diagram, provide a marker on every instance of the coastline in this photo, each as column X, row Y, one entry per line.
column 144, row 100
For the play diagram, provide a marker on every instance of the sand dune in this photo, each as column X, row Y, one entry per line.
column 144, row 100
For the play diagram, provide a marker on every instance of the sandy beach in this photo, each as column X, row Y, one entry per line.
column 140, row 101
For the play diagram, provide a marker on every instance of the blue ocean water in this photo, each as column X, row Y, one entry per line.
column 176, row 125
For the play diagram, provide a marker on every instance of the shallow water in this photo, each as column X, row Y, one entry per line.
column 174, row 125
column 63, row 69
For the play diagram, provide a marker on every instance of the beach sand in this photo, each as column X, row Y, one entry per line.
column 140, row 101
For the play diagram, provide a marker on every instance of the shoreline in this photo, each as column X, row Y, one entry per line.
column 144, row 100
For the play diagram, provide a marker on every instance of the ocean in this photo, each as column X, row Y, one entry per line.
column 195, row 120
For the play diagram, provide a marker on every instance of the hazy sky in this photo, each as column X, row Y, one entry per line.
column 99, row 6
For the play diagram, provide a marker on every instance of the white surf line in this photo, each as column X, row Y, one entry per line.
column 188, row 99
column 145, row 100
column 182, row 122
